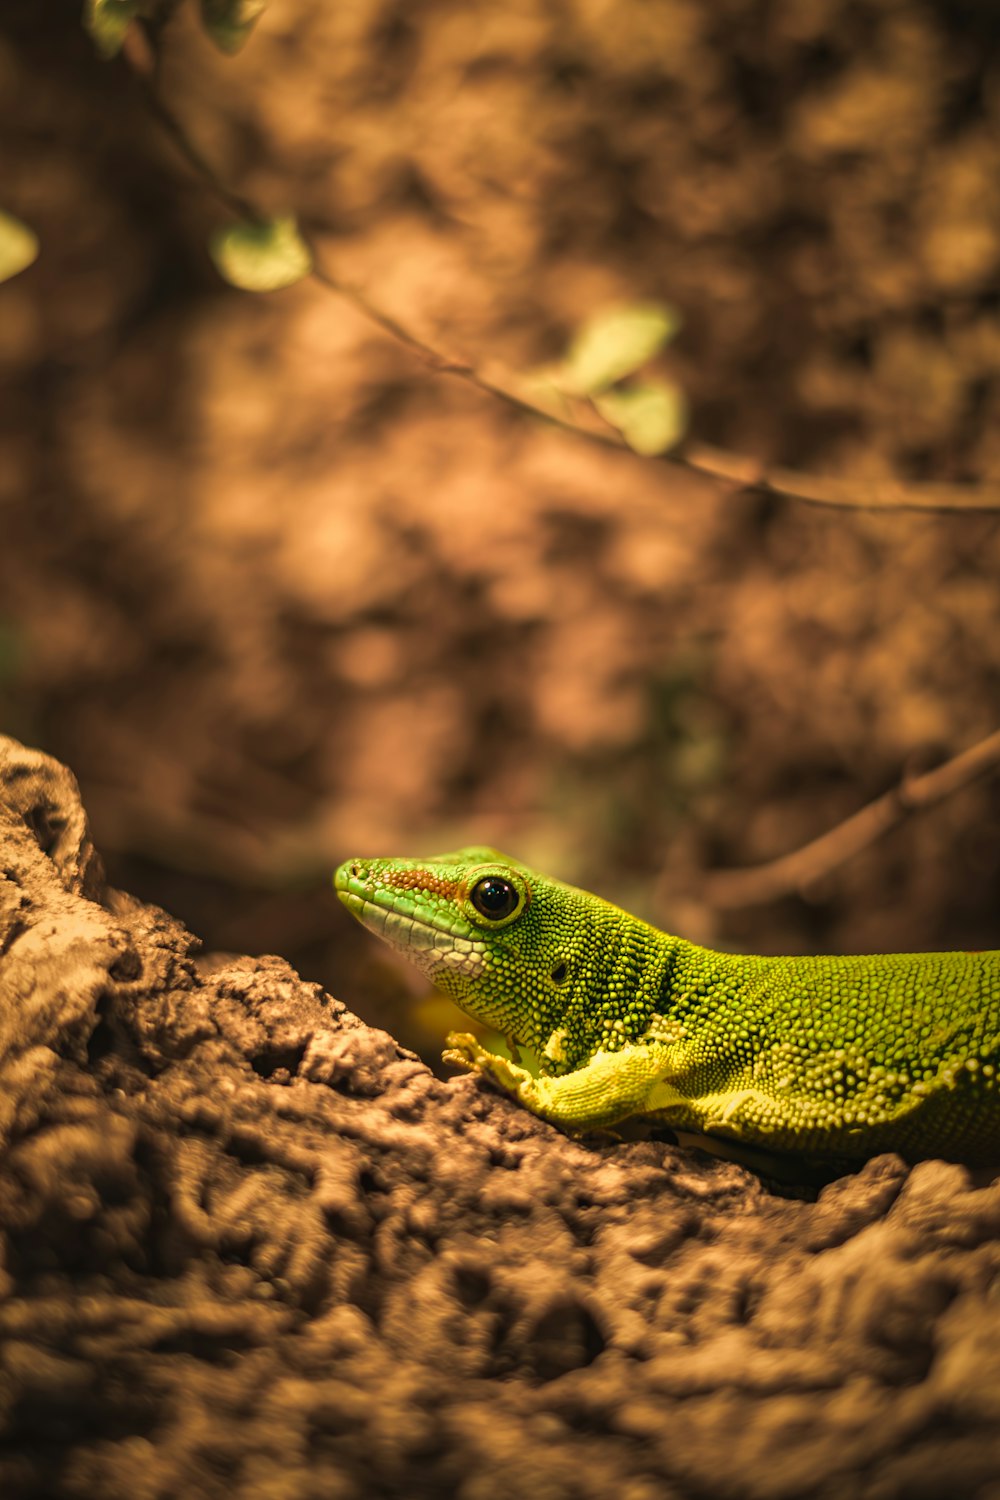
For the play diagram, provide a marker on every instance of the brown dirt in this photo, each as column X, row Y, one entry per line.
column 250, row 1247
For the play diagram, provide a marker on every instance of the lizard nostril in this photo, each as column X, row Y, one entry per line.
column 358, row 872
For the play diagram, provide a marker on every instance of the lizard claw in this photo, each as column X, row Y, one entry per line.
column 465, row 1052
column 727, row 1121
column 462, row 1049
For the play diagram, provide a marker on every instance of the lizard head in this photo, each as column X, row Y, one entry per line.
column 517, row 950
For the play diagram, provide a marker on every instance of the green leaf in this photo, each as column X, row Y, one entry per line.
column 651, row 417
column 616, row 342
column 107, row 21
column 261, row 257
column 230, row 22
column 18, row 246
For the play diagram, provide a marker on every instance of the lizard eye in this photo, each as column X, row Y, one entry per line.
column 494, row 898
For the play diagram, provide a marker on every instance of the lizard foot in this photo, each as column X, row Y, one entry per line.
column 465, row 1052
column 727, row 1119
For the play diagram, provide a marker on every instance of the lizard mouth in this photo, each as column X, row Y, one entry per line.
column 368, row 901
column 375, row 913
column 391, row 916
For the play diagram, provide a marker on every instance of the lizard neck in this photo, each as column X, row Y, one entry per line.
column 716, row 1002
column 628, row 970
column 703, row 973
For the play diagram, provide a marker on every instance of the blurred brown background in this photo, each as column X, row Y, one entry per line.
column 281, row 595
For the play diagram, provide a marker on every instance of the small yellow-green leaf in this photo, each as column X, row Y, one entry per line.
column 230, row 22
column 18, row 246
column 616, row 342
column 261, row 257
column 107, row 21
column 651, row 417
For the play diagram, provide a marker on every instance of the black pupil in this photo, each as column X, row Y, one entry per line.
column 494, row 898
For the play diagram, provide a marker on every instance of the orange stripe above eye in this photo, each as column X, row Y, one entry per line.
column 423, row 880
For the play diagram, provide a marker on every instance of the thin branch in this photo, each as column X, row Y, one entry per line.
column 142, row 56
column 795, row 872
column 737, row 472
column 884, row 493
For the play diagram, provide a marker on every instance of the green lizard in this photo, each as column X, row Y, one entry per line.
column 836, row 1057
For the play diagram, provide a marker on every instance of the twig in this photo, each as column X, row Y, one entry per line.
column 795, row 872
column 145, row 72
column 737, row 472
column 884, row 493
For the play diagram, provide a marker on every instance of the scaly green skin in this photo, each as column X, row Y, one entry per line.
column 830, row 1056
